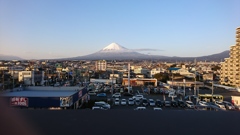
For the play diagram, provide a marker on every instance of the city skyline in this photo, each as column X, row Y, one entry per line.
column 60, row 29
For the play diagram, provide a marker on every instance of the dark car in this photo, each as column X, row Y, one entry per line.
column 181, row 103
column 145, row 102
column 159, row 103
column 127, row 94
column 174, row 103
column 137, row 102
column 167, row 103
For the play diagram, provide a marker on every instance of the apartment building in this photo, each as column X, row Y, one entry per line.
column 230, row 68
column 31, row 77
column 101, row 65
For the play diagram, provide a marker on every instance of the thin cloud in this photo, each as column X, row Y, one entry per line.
column 146, row 49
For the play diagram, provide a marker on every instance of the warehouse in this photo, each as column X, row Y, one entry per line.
column 46, row 97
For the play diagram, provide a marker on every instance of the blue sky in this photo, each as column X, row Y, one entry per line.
column 35, row 29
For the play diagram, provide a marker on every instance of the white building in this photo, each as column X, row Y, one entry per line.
column 156, row 71
column 31, row 77
column 101, row 65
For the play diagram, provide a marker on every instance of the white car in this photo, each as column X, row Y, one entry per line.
column 203, row 103
column 102, row 104
column 116, row 95
column 220, row 105
column 92, row 93
column 151, row 102
column 157, row 109
column 99, row 108
column 137, row 97
column 123, row 102
column 189, row 104
column 130, row 101
column 140, row 108
column 117, row 101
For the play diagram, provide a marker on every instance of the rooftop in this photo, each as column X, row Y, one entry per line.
column 38, row 93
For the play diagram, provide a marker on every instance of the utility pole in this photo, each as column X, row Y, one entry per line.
column 3, row 78
column 13, row 76
column 184, row 85
column 112, row 80
column 172, row 79
column 212, row 87
column 195, row 87
column 128, row 77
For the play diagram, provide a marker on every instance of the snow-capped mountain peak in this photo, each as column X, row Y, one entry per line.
column 115, row 47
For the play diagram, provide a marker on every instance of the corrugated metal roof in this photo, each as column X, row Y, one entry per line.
column 173, row 68
column 38, row 93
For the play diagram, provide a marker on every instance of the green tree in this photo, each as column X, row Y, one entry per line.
column 163, row 77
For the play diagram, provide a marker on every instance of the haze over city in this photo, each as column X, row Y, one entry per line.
column 61, row 29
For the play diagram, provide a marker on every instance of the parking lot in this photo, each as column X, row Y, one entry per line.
column 136, row 90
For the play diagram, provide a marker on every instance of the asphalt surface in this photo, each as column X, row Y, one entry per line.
column 118, row 122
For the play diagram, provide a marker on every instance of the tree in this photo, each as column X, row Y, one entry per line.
column 215, row 68
column 163, row 77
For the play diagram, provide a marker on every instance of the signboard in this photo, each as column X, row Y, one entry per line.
column 19, row 101
column 66, row 101
column 80, row 94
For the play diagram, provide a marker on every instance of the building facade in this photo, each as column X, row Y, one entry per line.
column 101, row 65
column 230, row 68
column 31, row 77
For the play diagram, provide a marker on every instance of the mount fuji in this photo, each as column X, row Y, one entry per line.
column 114, row 51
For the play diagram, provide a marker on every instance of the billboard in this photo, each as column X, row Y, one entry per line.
column 66, row 101
column 19, row 101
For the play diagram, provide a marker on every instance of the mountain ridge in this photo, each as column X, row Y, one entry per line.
column 115, row 51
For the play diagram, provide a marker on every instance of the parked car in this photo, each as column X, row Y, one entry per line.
column 145, row 102
column 220, row 105
column 159, row 103
column 123, row 102
column 190, row 104
column 102, row 104
column 180, row 92
column 181, row 103
column 127, row 94
column 140, row 108
column 157, row 109
column 229, row 105
column 166, row 92
column 151, row 102
column 101, row 95
column 92, row 93
column 137, row 97
column 174, row 103
column 99, row 108
column 137, row 102
column 116, row 95
column 116, row 101
column 167, row 103
column 130, row 101
column 203, row 103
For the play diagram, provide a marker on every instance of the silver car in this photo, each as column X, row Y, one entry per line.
column 130, row 101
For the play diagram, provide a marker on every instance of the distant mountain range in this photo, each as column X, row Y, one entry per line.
column 9, row 57
column 118, row 52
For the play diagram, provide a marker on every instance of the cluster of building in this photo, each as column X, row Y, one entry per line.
column 230, row 68
column 68, row 73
